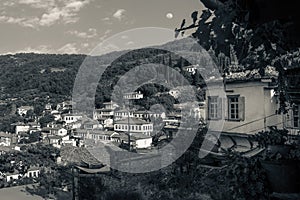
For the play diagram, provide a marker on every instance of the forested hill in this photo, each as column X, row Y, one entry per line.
column 29, row 77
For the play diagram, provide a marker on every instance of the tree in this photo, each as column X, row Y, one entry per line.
column 258, row 42
column 46, row 119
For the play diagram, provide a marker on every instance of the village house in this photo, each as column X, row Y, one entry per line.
column 91, row 125
column 21, row 127
column 48, row 107
column 251, row 105
column 107, row 112
column 22, row 111
column 191, row 69
column 56, row 114
column 58, row 131
column 7, row 139
column 144, row 114
column 66, row 105
column 33, row 172
column 197, row 111
column 96, row 135
column 73, row 125
column 57, row 141
column 70, row 118
column 133, row 95
column 124, row 113
column 137, row 140
column 134, row 125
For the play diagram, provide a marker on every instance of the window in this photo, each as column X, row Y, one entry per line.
column 236, row 108
column 296, row 120
column 214, row 107
column 233, row 108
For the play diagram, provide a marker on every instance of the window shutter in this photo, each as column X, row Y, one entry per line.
column 219, row 100
column 208, row 108
column 289, row 120
column 242, row 108
column 226, row 105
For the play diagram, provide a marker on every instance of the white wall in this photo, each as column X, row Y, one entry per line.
column 143, row 143
column 260, row 104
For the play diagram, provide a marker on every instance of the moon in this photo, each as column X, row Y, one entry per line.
column 169, row 15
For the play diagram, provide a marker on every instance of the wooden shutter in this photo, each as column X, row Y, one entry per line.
column 208, row 108
column 219, row 108
column 226, row 106
column 289, row 119
column 242, row 108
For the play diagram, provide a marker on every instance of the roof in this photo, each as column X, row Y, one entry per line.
column 26, row 107
column 132, row 121
column 108, row 103
column 70, row 114
column 95, row 171
column 138, row 136
column 2, row 134
column 55, row 137
column 98, row 132
column 78, row 155
column 252, row 75
column 133, row 136
column 5, row 149
column 19, row 124
column 105, row 110
column 125, row 110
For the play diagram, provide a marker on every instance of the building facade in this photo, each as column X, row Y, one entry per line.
column 249, row 107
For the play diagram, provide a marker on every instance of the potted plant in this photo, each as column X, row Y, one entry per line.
column 274, row 140
column 280, row 160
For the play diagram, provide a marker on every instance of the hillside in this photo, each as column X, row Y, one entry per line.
column 28, row 79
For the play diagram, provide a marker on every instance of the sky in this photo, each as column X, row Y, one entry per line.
column 78, row 26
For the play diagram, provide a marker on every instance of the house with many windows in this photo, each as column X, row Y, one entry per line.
column 134, row 125
column 124, row 113
column 133, row 95
column 107, row 112
column 71, row 118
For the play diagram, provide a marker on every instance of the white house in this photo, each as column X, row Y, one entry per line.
column 70, row 118
column 144, row 114
column 24, row 109
column 33, row 172
column 124, row 113
column 194, row 109
column 141, row 141
column 137, row 140
column 48, row 106
column 21, row 127
column 58, row 131
column 96, row 135
column 250, row 106
column 56, row 114
column 134, row 125
column 66, row 105
column 7, row 139
column 133, row 96
column 107, row 112
column 190, row 69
